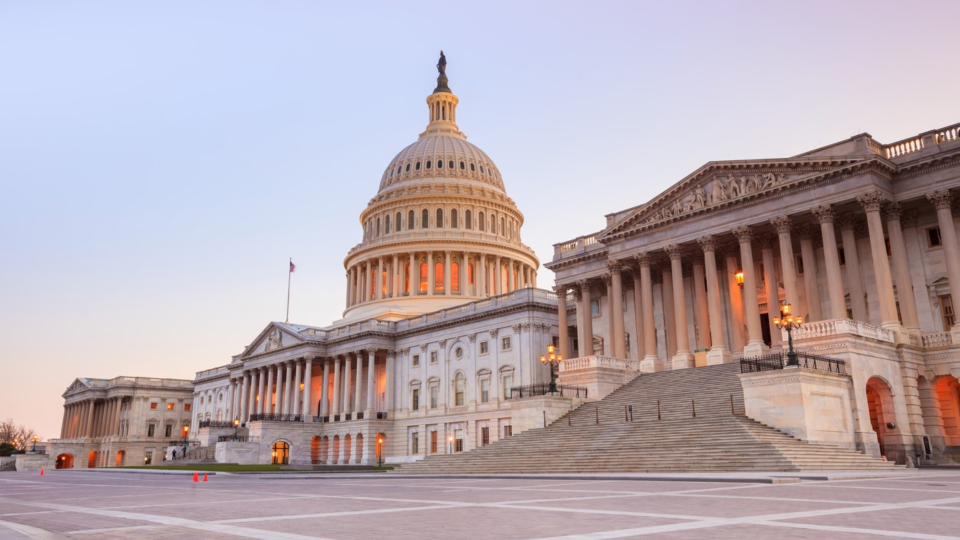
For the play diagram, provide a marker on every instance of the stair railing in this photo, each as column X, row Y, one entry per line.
column 635, row 412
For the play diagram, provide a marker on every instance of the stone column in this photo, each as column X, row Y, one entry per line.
column 116, row 423
column 335, row 403
column 787, row 260
column 498, row 280
column 244, row 399
column 564, row 336
column 683, row 359
column 773, row 292
column 389, row 366
column 368, row 282
column 809, row 258
column 88, row 420
column 718, row 353
column 667, row 305
column 279, row 405
column 268, row 392
column 412, row 272
column 288, row 384
column 378, row 280
column 838, row 306
column 852, row 259
column 447, row 278
column 358, row 390
column 606, row 288
column 901, row 270
column 394, row 277
column 324, row 408
column 951, row 253
column 431, row 274
column 481, row 277
column 638, row 311
column 755, row 345
column 731, row 267
column 511, row 277
column 260, row 383
column 616, row 297
column 651, row 362
column 703, row 338
column 871, row 202
column 345, row 385
column 371, row 373
column 297, row 407
column 307, row 384
column 586, row 333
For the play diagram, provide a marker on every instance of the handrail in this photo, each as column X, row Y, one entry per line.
column 543, row 389
column 769, row 362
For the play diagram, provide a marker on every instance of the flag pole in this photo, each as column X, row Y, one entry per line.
column 289, row 275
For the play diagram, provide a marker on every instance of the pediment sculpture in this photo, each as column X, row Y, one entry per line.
column 274, row 340
column 717, row 190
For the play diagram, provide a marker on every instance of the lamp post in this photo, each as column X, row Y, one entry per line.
column 380, row 450
column 551, row 358
column 35, row 439
column 788, row 322
column 16, row 444
column 450, row 439
column 236, row 427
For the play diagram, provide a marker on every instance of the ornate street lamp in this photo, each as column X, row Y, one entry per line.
column 739, row 278
column 788, row 322
column 380, row 450
column 35, row 439
column 236, row 427
column 451, row 443
column 550, row 358
column 16, row 444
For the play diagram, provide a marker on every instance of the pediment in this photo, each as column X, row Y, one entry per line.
column 78, row 385
column 719, row 184
column 273, row 338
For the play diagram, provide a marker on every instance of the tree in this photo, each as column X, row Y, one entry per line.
column 10, row 432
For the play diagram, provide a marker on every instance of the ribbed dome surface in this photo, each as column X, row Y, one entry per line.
column 441, row 157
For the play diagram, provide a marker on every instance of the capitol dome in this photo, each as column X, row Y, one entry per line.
column 441, row 230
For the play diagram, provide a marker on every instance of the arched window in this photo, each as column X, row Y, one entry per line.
column 454, row 219
column 280, row 454
column 454, row 277
column 481, row 221
column 439, row 218
column 429, row 163
column 438, row 277
column 439, row 163
column 408, row 167
column 473, row 167
column 386, row 225
column 463, row 165
column 399, row 221
column 493, row 224
column 410, row 220
column 470, row 274
column 423, row 277
column 450, row 163
column 503, row 230
column 468, row 217
column 459, row 388
column 417, row 166
column 378, row 226
column 424, row 218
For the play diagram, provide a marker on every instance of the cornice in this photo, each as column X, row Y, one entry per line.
column 399, row 246
column 600, row 254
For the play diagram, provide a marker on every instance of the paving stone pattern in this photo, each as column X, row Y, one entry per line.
column 106, row 505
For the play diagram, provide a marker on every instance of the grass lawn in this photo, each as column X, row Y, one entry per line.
column 227, row 467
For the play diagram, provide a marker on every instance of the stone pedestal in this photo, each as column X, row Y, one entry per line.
column 682, row 360
column 532, row 412
column 244, row 453
column 600, row 375
column 32, row 462
column 718, row 355
column 810, row 405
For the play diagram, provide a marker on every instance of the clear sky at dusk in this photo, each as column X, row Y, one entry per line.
column 160, row 161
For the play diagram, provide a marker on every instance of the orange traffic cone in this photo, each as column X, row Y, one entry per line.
column 196, row 477
column 41, row 471
column 204, row 477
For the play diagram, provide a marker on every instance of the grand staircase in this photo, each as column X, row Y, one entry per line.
column 684, row 420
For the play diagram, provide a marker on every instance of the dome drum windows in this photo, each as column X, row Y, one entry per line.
column 425, row 219
column 469, row 221
column 439, row 164
column 411, row 217
column 439, row 218
column 399, row 221
column 454, row 219
column 429, row 163
column 417, row 166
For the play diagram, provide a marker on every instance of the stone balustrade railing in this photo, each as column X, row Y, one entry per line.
column 919, row 142
column 935, row 340
column 583, row 243
column 835, row 327
column 590, row 362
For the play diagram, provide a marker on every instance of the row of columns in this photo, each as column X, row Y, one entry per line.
column 253, row 393
column 91, row 418
column 387, row 276
column 707, row 291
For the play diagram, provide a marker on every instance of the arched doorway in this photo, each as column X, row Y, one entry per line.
column 324, row 449
column 64, row 461
column 947, row 391
column 92, row 460
column 335, row 454
column 120, row 455
column 359, row 450
column 345, row 459
column 883, row 418
column 315, row 449
column 280, row 453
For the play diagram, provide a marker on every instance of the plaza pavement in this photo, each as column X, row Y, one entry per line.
column 92, row 505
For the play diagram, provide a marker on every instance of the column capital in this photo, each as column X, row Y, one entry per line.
column 707, row 243
column 743, row 233
column 577, row 293
column 893, row 211
column 614, row 265
column 846, row 221
column 643, row 259
column 872, row 200
column 824, row 213
column 561, row 290
column 782, row 224
column 583, row 284
column 806, row 231
column 674, row 251
column 767, row 241
column 391, row 354
column 941, row 199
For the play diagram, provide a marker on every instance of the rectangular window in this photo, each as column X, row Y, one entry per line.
column 416, row 399
column 485, row 391
column 186, row 407
column 168, row 430
column 148, row 457
column 434, row 397
column 169, row 406
column 507, row 431
column 458, row 440
column 484, row 347
column 484, row 436
column 153, row 406
column 433, row 357
column 507, row 383
column 946, row 310
column 151, row 430
column 416, row 360
column 414, row 443
column 459, row 387
column 841, row 256
column 595, row 308
column 433, row 442
column 933, row 237
column 798, row 261
column 505, row 344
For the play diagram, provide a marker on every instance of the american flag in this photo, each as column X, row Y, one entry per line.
column 292, row 266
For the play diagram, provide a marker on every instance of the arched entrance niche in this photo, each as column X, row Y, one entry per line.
column 335, row 453
column 120, row 456
column 280, row 453
column 359, row 451
column 315, row 449
column 947, row 391
column 64, row 461
column 92, row 460
column 381, row 440
column 324, row 449
column 345, row 460
column 883, row 418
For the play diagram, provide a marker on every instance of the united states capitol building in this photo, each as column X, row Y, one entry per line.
column 444, row 327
